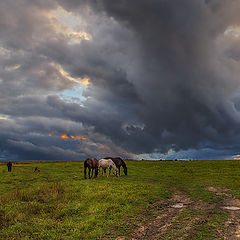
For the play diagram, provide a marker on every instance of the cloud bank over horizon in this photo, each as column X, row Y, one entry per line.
column 136, row 79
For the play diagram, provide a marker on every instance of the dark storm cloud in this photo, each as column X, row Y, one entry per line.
column 163, row 75
column 29, row 151
column 185, row 78
column 40, row 138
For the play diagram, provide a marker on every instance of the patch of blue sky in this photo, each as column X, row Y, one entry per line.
column 206, row 153
column 201, row 154
column 75, row 94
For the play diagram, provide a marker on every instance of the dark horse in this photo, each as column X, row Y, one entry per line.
column 91, row 164
column 9, row 165
column 119, row 162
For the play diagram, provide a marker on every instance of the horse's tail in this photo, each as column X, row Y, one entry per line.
column 85, row 169
column 124, row 167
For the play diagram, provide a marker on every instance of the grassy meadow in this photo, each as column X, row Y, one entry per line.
column 58, row 203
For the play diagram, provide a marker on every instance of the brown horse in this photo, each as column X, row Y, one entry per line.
column 91, row 164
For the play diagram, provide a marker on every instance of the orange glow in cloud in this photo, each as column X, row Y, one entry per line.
column 64, row 136
column 67, row 75
column 85, row 81
column 79, row 137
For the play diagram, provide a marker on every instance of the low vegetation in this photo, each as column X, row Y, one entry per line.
column 57, row 203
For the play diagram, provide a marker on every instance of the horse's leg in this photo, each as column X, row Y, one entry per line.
column 89, row 170
column 118, row 171
column 85, row 172
column 96, row 172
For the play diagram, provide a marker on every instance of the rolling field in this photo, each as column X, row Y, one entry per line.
column 58, row 203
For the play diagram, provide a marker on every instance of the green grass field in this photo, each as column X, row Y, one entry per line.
column 58, row 203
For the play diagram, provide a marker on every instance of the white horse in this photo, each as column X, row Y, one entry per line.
column 107, row 164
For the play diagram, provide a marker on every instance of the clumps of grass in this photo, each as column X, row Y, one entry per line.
column 4, row 219
column 41, row 193
column 21, row 210
column 211, row 225
column 207, row 196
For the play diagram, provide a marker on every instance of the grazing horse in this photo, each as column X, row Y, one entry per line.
column 107, row 163
column 91, row 164
column 36, row 169
column 119, row 162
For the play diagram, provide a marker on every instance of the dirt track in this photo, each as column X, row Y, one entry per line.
column 169, row 213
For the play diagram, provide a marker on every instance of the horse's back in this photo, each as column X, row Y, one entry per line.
column 106, row 162
column 102, row 162
column 118, row 161
column 91, row 162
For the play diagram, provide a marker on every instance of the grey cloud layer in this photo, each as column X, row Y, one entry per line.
column 164, row 75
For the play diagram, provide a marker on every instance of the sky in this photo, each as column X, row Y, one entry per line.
column 140, row 79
